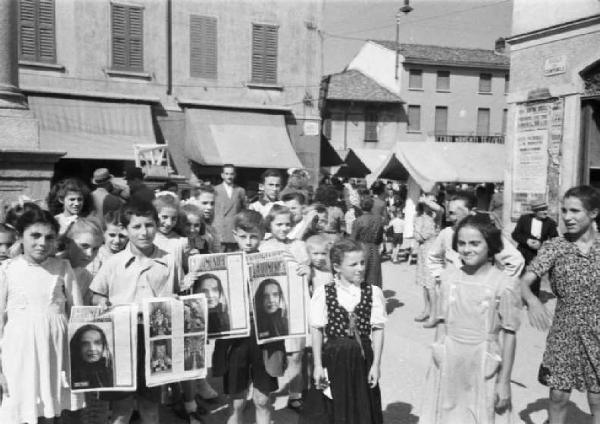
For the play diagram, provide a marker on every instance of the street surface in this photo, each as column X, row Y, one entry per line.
column 406, row 359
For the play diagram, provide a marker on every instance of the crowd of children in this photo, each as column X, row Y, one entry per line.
column 53, row 260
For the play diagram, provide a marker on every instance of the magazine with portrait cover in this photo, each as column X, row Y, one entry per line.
column 279, row 297
column 175, row 334
column 102, row 348
column 221, row 277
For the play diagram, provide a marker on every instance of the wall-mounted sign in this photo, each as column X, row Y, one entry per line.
column 311, row 128
column 555, row 65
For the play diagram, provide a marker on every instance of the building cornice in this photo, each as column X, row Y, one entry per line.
column 554, row 29
column 91, row 94
column 468, row 65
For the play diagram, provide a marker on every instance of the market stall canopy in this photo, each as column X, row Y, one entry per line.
column 353, row 167
column 432, row 162
column 329, row 156
column 92, row 129
column 390, row 169
column 250, row 139
column 374, row 159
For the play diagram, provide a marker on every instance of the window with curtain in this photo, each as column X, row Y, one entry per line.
column 264, row 54
column 415, row 78
column 414, row 118
column 371, row 126
column 443, row 81
column 127, row 25
column 37, row 41
column 483, row 121
column 485, row 83
column 441, row 120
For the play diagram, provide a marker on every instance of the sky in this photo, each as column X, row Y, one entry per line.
column 456, row 23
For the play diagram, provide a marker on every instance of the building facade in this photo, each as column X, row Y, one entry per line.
column 441, row 93
column 554, row 102
column 220, row 82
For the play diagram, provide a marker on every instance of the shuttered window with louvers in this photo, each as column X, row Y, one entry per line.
column 264, row 53
column 127, row 24
column 203, row 47
column 36, row 31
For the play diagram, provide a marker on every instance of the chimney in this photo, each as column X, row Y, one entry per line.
column 500, row 45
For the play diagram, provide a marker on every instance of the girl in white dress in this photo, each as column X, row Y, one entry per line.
column 36, row 292
column 479, row 306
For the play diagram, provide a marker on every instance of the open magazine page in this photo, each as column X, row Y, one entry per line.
column 222, row 280
column 175, row 339
column 102, row 348
column 279, row 297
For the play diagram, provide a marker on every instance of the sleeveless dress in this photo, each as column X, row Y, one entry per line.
column 35, row 343
column 460, row 386
column 348, row 356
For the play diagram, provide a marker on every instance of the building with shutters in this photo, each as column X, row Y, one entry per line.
column 220, row 82
column 554, row 103
column 438, row 93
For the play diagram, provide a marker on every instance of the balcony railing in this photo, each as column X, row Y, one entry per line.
column 467, row 138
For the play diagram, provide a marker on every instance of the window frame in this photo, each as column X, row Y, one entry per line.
column 482, row 79
column 489, row 121
column 128, row 37
column 208, row 69
column 435, row 121
column 409, row 127
column 410, row 74
column 371, row 127
column 41, row 55
column 265, row 81
column 438, row 79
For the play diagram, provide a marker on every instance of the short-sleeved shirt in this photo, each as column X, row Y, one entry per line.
column 127, row 278
column 348, row 296
column 296, row 248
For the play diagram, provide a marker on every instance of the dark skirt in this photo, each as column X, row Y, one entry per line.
column 354, row 402
column 372, row 264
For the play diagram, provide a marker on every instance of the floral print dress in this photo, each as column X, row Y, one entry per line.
column 572, row 356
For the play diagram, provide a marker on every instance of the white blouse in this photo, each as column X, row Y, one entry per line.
column 348, row 296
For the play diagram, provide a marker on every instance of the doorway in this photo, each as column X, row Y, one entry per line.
column 590, row 139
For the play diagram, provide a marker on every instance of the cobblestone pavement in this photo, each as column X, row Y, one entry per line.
column 406, row 359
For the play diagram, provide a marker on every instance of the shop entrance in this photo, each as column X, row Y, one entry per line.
column 590, row 134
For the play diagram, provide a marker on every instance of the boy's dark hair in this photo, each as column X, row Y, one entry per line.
column 467, row 197
column 204, row 188
column 249, row 221
column 327, row 194
column 483, row 224
column 341, row 247
column 320, row 208
column 112, row 218
column 366, row 203
column 138, row 208
column 588, row 195
column 270, row 173
column 36, row 216
column 294, row 195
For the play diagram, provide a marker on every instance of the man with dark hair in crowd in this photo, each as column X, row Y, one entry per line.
column 230, row 199
column 138, row 191
column 271, row 182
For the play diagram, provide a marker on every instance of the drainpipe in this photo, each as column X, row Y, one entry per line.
column 169, row 49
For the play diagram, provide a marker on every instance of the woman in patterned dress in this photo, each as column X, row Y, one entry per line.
column 351, row 313
column 572, row 356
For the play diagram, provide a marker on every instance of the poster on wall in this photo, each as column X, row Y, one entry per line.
column 221, row 277
column 536, row 156
column 175, row 339
column 279, row 297
column 102, row 348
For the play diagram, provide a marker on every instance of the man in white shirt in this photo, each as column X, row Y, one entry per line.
column 271, row 184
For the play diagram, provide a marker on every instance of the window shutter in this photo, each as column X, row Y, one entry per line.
column 119, row 36
column 443, row 80
column 203, row 47
column 414, row 118
column 27, row 30
column 136, row 39
column 46, row 45
column 271, row 46
column 371, row 126
column 441, row 120
column 485, row 83
column 264, row 54
column 483, row 121
column 415, row 78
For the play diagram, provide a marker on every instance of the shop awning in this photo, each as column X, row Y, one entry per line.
column 431, row 162
column 92, row 129
column 353, row 166
column 373, row 159
column 390, row 169
column 329, row 157
column 248, row 139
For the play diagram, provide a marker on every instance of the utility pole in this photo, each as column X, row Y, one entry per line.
column 406, row 9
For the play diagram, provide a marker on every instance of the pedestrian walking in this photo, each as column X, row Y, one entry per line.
column 425, row 232
column 572, row 356
column 368, row 229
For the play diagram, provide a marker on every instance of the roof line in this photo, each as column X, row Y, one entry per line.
column 428, row 45
column 374, row 82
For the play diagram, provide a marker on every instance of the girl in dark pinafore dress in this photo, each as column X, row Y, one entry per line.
column 351, row 315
